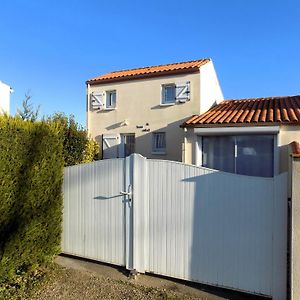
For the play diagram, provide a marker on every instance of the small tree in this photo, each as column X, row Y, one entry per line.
column 78, row 148
column 28, row 112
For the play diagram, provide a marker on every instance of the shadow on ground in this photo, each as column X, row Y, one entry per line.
column 193, row 290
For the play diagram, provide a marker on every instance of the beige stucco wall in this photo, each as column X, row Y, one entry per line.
column 295, row 231
column 189, row 155
column 210, row 91
column 138, row 102
column 286, row 135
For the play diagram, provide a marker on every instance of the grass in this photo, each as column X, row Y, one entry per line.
column 25, row 284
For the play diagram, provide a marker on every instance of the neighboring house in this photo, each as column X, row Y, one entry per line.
column 248, row 136
column 5, row 91
column 141, row 110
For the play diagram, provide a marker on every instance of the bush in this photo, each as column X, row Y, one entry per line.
column 31, row 174
column 78, row 148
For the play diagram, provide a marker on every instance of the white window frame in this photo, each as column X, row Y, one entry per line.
column 155, row 150
column 200, row 132
column 107, row 97
column 162, row 100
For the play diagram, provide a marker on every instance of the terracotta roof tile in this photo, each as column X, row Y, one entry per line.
column 250, row 112
column 150, row 71
column 295, row 149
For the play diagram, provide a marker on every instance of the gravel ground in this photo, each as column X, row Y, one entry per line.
column 74, row 284
column 77, row 279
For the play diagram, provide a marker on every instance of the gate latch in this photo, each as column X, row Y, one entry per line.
column 128, row 193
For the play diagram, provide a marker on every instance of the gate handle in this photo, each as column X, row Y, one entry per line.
column 126, row 193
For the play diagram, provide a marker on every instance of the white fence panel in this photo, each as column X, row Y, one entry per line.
column 94, row 211
column 216, row 228
column 180, row 221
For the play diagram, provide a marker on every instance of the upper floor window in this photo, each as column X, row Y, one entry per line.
column 159, row 142
column 111, row 99
column 168, row 94
column 179, row 92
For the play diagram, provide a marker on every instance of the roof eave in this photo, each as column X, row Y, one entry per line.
column 143, row 76
column 239, row 124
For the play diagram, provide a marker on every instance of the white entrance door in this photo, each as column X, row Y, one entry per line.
column 110, row 145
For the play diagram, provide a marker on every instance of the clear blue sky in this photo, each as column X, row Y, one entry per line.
column 51, row 48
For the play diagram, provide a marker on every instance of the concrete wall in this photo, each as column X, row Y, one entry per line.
column 5, row 91
column 295, row 230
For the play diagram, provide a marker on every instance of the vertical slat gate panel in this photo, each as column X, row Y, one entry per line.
column 94, row 211
column 183, row 221
column 214, row 227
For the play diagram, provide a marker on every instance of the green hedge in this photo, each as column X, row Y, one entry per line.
column 78, row 148
column 31, row 174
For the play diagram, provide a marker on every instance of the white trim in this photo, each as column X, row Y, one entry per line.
column 276, row 156
column 167, row 104
column 162, row 94
column 237, row 130
column 198, row 150
column 158, row 153
column 109, row 108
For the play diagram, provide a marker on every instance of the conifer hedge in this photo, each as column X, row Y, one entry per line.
column 31, row 174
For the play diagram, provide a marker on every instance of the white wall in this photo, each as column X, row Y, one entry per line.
column 5, row 91
column 210, row 90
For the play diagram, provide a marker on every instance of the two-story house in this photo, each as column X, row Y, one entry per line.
column 5, row 91
column 141, row 110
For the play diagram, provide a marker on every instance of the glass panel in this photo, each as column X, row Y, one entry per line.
column 159, row 142
column 218, row 153
column 169, row 93
column 255, row 155
column 111, row 99
column 129, row 144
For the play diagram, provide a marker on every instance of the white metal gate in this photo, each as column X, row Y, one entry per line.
column 180, row 221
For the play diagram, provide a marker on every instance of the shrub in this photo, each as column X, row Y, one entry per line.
column 31, row 174
column 78, row 148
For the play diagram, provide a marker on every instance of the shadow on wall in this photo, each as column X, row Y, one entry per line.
column 232, row 232
column 143, row 143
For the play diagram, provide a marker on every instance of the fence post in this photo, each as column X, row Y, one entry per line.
column 128, row 184
column 140, row 212
column 295, row 230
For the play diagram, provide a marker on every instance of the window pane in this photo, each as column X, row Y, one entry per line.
column 218, row 153
column 129, row 144
column 159, row 142
column 169, row 93
column 255, row 155
column 111, row 99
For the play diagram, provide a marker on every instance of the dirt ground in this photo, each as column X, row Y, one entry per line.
column 79, row 279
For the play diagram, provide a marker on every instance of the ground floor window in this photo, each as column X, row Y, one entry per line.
column 158, row 142
column 127, row 146
column 241, row 154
